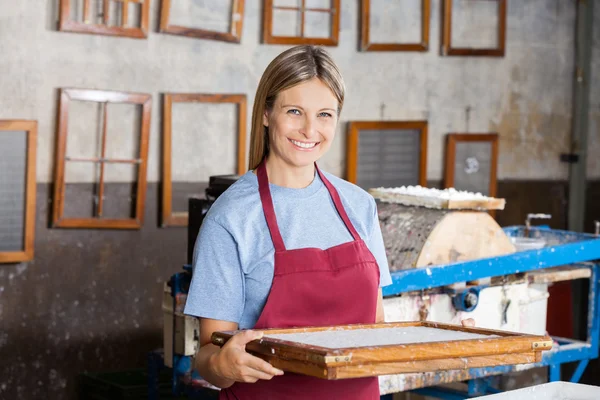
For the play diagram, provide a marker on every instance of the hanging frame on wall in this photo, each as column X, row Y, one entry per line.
column 235, row 28
column 271, row 7
column 367, row 45
column 472, row 162
column 98, row 220
column 387, row 153
column 180, row 218
column 17, row 190
column 448, row 49
column 98, row 21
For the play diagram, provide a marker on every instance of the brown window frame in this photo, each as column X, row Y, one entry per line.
column 30, row 127
column 354, row 128
column 365, row 27
column 447, row 48
column 104, row 97
column 332, row 40
column 66, row 24
column 170, row 218
column 233, row 36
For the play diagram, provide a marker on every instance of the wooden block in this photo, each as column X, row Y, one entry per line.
column 488, row 203
column 352, row 351
column 559, row 274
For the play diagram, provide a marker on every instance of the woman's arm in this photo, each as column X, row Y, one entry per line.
column 231, row 363
column 380, row 315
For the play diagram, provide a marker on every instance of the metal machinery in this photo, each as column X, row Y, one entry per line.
column 483, row 288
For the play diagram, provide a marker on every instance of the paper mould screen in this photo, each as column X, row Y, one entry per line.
column 472, row 167
column 388, row 158
column 13, row 172
column 377, row 337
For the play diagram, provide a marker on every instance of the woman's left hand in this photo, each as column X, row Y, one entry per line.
column 470, row 322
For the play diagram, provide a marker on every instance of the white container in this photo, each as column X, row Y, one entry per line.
column 550, row 391
column 523, row 243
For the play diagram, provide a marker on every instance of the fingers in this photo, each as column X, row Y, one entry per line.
column 261, row 365
column 470, row 322
column 245, row 337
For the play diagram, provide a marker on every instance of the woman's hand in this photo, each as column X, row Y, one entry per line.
column 232, row 362
column 470, row 322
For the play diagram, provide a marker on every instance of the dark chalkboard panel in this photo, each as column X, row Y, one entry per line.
column 387, row 153
column 17, row 190
column 471, row 162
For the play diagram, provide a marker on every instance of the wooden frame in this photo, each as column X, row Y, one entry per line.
column 104, row 97
column 332, row 40
column 66, row 24
column 30, row 127
column 504, row 348
column 233, row 36
column 453, row 139
column 366, row 45
column 169, row 218
column 447, row 48
column 354, row 128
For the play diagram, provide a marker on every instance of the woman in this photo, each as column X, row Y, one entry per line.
column 287, row 244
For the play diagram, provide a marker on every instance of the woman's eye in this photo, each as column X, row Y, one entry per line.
column 294, row 111
column 325, row 114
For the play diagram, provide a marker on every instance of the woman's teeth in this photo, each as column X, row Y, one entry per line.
column 303, row 145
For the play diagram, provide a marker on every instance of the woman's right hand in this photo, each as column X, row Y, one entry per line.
column 232, row 362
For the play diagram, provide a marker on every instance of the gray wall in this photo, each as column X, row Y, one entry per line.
column 525, row 96
column 91, row 299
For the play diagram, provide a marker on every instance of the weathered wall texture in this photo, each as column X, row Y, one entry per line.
column 526, row 96
column 91, row 299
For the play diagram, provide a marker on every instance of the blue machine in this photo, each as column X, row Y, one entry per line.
column 563, row 248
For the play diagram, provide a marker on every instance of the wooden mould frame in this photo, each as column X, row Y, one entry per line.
column 332, row 40
column 453, row 139
column 447, row 48
column 354, row 128
column 104, row 97
column 507, row 348
column 234, row 35
column 365, row 27
column 30, row 127
column 170, row 218
column 66, row 24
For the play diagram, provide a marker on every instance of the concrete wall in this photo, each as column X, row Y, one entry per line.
column 525, row 96
column 91, row 299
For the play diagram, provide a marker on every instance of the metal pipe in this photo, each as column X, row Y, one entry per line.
column 581, row 105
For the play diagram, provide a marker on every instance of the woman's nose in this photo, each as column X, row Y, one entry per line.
column 309, row 129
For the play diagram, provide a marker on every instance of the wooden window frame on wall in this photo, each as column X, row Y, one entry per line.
column 447, row 48
column 354, row 128
column 453, row 138
column 366, row 45
column 332, row 40
column 170, row 218
column 66, row 24
column 104, row 97
column 233, row 36
column 30, row 127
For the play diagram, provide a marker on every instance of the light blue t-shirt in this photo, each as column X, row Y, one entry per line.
column 233, row 255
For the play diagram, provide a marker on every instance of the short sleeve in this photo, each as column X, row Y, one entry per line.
column 217, row 287
column 377, row 247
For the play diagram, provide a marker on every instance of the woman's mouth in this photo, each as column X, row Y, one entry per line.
column 304, row 145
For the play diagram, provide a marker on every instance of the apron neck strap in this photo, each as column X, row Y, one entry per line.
column 338, row 204
column 268, row 209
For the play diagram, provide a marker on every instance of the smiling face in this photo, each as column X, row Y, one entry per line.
column 302, row 123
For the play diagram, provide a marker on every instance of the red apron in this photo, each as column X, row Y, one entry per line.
column 314, row 287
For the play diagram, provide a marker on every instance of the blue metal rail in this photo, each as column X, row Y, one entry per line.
column 565, row 248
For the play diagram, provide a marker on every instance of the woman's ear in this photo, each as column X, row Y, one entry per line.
column 266, row 118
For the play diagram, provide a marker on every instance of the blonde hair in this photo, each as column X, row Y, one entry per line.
column 292, row 67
